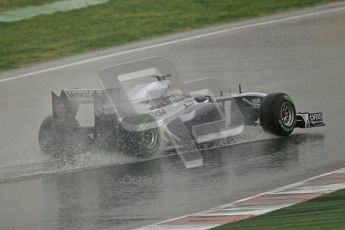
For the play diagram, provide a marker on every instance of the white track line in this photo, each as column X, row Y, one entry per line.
column 195, row 37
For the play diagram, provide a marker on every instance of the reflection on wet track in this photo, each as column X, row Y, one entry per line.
column 139, row 193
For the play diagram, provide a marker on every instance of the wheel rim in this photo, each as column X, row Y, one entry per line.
column 150, row 138
column 287, row 114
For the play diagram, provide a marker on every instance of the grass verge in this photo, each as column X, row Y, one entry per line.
column 326, row 212
column 118, row 22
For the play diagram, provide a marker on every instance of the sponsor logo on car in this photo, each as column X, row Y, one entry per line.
column 160, row 112
column 315, row 117
column 83, row 93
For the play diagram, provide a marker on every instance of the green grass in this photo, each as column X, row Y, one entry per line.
column 6, row 5
column 326, row 212
column 121, row 21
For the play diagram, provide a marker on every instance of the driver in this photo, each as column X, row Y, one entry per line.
column 175, row 95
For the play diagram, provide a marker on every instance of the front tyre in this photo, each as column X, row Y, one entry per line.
column 142, row 144
column 278, row 114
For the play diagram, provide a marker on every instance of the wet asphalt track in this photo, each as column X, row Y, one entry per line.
column 304, row 57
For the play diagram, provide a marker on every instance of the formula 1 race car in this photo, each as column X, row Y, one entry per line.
column 144, row 108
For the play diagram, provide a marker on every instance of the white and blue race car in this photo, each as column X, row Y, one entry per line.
column 144, row 108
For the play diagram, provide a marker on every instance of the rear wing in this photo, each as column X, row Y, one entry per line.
column 66, row 105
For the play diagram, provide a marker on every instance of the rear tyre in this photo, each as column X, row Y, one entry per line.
column 278, row 114
column 105, row 130
column 142, row 144
column 56, row 139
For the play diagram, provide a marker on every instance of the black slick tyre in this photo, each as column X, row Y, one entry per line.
column 143, row 143
column 278, row 114
column 56, row 139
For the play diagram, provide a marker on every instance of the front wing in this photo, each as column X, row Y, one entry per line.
column 309, row 120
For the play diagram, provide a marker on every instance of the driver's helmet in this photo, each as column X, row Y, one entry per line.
column 176, row 95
